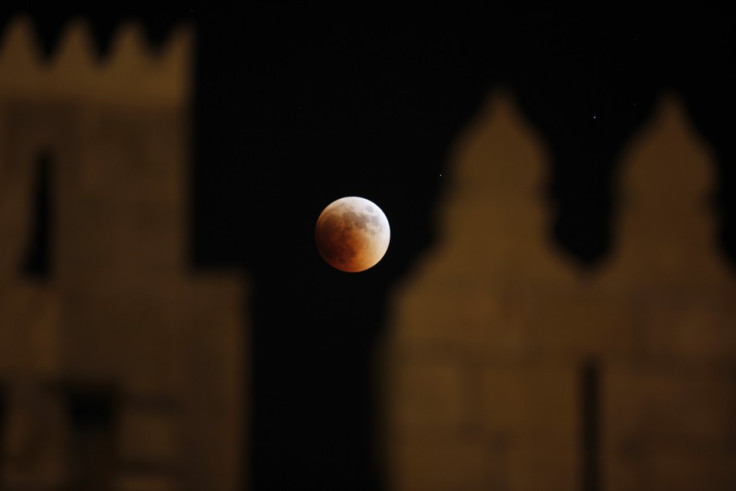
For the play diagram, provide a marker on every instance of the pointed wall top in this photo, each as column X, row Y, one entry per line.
column 132, row 74
column 668, row 164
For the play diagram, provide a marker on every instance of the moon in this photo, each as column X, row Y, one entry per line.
column 352, row 234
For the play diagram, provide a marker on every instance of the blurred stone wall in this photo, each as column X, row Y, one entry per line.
column 120, row 367
column 508, row 368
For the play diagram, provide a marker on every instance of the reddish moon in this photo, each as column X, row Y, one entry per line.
column 352, row 234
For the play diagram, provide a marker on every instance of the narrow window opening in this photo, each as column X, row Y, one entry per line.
column 590, row 413
column 37, row 261
column 93, row 419
column 3, row 411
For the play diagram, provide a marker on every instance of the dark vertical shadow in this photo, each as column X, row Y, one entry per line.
column 590, row 425
column 3, row 412
column 37, row 262
column 93, row 420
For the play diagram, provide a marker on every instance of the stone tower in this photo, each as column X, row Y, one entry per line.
column 508, row 369
column 669, row 400
column 120, row 366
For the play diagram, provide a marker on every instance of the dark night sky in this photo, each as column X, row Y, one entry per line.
column 296, row 106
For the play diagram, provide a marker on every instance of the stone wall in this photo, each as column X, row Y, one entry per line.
column 509, row 368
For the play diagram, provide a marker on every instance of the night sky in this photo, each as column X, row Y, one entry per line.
column 295, row 107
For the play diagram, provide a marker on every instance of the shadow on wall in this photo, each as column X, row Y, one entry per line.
column 509, row 368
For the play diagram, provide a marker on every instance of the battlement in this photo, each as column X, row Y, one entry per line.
column 131, row 74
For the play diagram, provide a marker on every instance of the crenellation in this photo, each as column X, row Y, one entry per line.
column 130, row 75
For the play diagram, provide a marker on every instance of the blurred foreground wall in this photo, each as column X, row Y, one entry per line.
column 119, row 367
column 507, row 368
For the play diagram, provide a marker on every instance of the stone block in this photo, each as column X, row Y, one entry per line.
column 581, row 323
column 668, row 427
column 130, row 481
column 441, row 465
column 534, row 411
column 148, row 436
column 428, row 397
column 469, row 317
column 698, row 326
column 691, row 402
